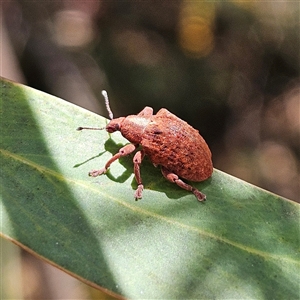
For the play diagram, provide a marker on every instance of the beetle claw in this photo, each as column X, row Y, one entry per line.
column 138, row 192
column 200, row 196
column 95, row 173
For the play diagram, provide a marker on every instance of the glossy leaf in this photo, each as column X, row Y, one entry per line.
column 243, row 243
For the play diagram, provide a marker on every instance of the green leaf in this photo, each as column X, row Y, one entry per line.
column 243, row 243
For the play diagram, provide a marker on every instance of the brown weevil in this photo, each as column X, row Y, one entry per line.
column 168, row 141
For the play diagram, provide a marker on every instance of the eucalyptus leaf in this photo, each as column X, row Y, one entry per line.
column 242, row 243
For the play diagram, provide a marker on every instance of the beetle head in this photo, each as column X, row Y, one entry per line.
column 114, row 125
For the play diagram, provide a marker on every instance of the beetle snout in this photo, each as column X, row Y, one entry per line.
column 112, row 127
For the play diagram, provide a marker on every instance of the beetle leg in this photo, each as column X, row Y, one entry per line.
column 127, row 149
column 147, row 112
column 137, row 159
column 175, row 179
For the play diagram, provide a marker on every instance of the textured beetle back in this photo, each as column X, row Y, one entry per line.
column 174, row 144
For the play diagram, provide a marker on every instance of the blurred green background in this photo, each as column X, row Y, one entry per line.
column 230, row 69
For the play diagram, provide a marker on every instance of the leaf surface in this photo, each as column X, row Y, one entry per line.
column 243, row 243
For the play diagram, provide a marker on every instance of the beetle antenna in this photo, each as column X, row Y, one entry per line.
column 111, row 116
column 90, row 128
column 104, row 93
